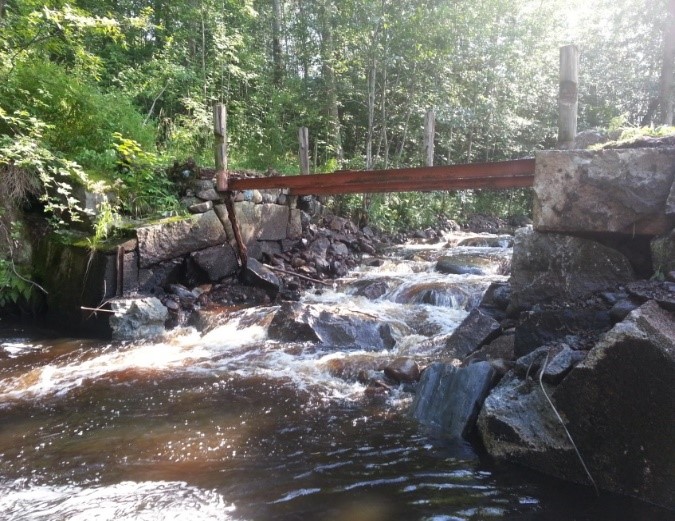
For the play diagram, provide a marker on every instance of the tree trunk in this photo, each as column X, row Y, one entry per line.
column 304, row 52
column 383, row 109
column 303, row 150
column 328, row 74
column 372, row 77
column 278, row 73
column 666, row 83
column 2, row 9
column 203, row 57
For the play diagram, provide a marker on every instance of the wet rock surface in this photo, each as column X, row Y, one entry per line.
column 537, row 328
column 304, row 322
column 135, row 319
column 662, row 292
column 475, row 330
column 617, row 404
column 448, row 398
column 402, row 369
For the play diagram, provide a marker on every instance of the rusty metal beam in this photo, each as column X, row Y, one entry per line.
column 499, row 175
column 495, row 183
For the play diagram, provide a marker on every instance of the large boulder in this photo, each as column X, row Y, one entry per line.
column 173, row 238
column 618, row 191
column 618, row 405
column 448, row 398
column 137, row 318
column 260, row 276
column 549, row 267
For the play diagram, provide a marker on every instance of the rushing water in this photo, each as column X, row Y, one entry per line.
column 230, row 425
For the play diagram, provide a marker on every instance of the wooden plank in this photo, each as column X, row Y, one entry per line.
column 504, row 174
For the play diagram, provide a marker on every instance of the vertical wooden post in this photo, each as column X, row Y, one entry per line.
column 220, row 133
column 569, row 95
column 303, row 150
column 429, row 133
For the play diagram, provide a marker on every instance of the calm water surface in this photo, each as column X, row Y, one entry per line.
column 230, row 425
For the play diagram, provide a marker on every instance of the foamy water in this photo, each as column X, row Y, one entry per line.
column 125, row 501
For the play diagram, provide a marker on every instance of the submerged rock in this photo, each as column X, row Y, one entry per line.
column 344, row 328
column 448, row 398
column 402, row 369
column 472, row 264
column 617, row 404
column 488, row 241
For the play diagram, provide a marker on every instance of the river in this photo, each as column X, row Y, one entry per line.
column 232, row 425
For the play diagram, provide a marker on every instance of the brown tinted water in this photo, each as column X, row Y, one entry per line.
column 232, row 425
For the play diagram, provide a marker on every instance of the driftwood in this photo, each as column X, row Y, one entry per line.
column 304, row 277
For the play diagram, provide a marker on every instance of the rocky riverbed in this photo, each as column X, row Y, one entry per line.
column 565, row 368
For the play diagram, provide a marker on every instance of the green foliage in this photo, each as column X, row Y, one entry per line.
column 632, row 133
column 24, row 161
column 360, row 74
column 107, row 218
column 12, row 286
column 405, row 211
column 145, row 189
column 628, row 135
column 81, row 120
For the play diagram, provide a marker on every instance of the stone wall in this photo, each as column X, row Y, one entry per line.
column 193, row 250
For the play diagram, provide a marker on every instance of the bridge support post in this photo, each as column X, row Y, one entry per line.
column 220, row 134
column 568, row 97
column 429, row 134
column 303, row 150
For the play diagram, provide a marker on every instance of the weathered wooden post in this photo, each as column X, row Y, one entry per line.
column 220, row 133
column 429, row 133
column 303, row 150
column 569, row 95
